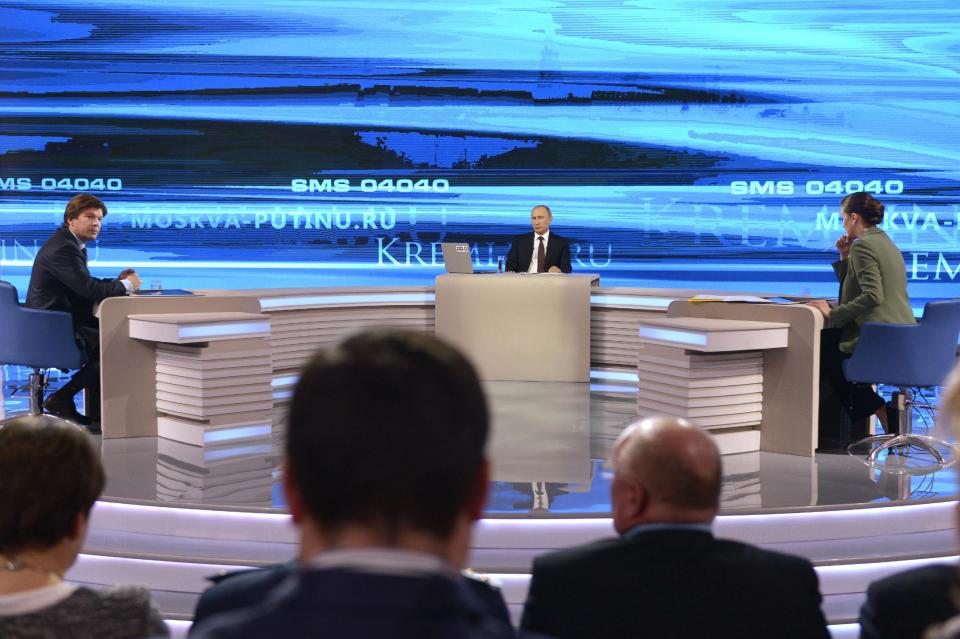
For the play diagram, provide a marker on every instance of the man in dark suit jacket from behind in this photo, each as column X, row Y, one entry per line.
column 525, row 249
column 904, row 605
column 667, row 576
column 60, row 281
column 246, row 588
column 385, row 475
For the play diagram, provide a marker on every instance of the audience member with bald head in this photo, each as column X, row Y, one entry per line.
column 666, row 575
column 665, row 470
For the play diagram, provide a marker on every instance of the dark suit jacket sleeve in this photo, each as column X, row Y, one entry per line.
column 240, row 590
column 809, row 622
column 69, row 268
column 538, row 612
column 905, row 604
column 564, row 258
column 513, row 258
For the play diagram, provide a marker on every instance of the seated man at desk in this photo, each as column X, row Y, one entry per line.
column 60, row 281
column 540, row 251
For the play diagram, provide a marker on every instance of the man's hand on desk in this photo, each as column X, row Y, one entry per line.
column 130, row 274
column 822, row 306
column 553, row 269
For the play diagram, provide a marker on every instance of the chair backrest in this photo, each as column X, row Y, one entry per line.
column 9, row 307
column 942, row 320
column 35, row 338
column 921, row 354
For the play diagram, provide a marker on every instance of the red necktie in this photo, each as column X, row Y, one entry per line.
column 541, row 257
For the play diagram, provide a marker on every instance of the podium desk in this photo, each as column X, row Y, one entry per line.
column 709, row 371
column 519, row 327
column 791, row 376
column 128, row 365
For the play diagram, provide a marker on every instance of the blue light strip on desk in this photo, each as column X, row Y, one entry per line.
column 615, row 376
column 358, row 298
column 632, row 300
column 238, row 329
column 286, row 380
column 612, row 388
column 673, row 336
column 222, row 435
column 253, row 448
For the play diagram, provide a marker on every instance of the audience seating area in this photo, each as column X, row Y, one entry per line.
column 173, row 548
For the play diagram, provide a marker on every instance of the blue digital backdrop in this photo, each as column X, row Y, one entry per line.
column 682, row 144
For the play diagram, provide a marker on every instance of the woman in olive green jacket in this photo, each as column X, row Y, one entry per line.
column 873, row 288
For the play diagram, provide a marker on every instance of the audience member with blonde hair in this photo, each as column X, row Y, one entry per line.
column 50, row 477
column 950, row 420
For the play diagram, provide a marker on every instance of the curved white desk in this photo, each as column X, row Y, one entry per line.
column 303, row 320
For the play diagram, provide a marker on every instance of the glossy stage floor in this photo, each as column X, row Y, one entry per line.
column 172, row 514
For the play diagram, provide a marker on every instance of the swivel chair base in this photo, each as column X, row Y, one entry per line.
column 37, row 386
column 896, row 443
column 906, row 440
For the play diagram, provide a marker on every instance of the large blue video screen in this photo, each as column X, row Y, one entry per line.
column 700, row 145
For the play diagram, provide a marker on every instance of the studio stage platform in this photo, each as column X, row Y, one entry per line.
column 173, row 514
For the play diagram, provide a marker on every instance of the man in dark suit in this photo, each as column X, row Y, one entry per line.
column 60, row 281
column 667, row 575
column 904, row 605
column 540, row 251
column 246, row 588
column 385, row 474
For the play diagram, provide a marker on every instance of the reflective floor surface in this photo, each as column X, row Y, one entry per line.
column 550, row 448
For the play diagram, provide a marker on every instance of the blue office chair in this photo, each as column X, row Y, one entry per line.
column 36, row 339
column 907, row 356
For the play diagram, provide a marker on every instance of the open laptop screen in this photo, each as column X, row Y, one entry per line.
column 456, row 257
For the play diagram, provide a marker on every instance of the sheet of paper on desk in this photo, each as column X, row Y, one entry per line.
column 749, row 299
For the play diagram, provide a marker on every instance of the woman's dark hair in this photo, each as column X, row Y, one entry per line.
column 80, row 203
column 869, row 208
column 49, row 473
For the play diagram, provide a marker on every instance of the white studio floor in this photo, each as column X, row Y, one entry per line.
column 173, row 513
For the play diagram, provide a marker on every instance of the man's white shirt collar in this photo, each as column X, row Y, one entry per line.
column 381, row 561
column 532, row 267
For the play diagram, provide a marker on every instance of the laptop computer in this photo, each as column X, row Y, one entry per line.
column 456, row 257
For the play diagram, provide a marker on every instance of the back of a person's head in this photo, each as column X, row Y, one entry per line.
column 387, row 429
column 865, row 205
column 677, row 463
column 49, row 473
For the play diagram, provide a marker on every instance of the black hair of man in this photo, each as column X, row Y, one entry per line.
column 387, row 429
